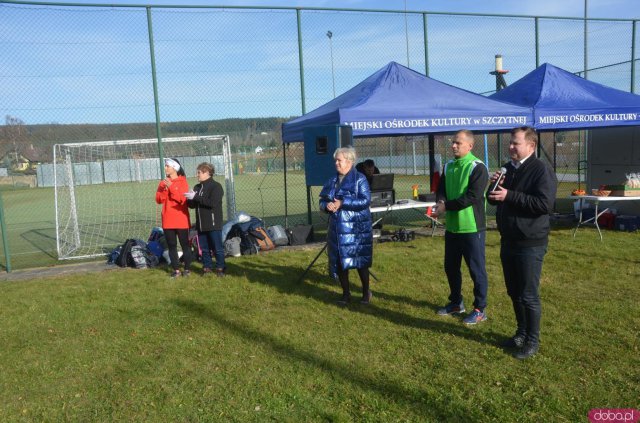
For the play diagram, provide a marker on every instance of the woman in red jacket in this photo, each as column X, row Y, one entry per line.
column 175, row 214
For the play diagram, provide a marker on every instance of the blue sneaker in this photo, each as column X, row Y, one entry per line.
column 476, row 316
column 451, row 309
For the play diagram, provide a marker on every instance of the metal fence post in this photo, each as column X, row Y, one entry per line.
column 633, row 57
column 286, row 192
column 432, row 160
column 486, row 151
column 390, row 154
column 5, row 242
column 301, row 62
column 426, row 44
column 555, row 152
column 537, row 33
column 155, row 90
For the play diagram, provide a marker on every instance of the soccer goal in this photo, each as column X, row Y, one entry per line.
column 105, row 190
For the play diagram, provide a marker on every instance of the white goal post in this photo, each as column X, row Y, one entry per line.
column 105, row 190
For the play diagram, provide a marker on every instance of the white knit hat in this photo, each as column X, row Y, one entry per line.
column 172, row 163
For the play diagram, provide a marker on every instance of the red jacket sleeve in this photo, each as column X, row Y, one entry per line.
column 161, row 193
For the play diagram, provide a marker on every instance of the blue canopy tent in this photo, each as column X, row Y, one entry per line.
column 562, row 100
column 396, row 100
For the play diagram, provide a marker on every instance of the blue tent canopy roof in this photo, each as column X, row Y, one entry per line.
column 396, row 100
column 562, row 100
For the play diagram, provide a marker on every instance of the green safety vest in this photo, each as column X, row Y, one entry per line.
column 457, row 173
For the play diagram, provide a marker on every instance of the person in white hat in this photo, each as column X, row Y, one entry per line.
column 175, row 214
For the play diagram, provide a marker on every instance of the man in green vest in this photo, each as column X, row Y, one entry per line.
column 460, row 198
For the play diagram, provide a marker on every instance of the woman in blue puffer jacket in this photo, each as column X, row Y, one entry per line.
column 346, row 197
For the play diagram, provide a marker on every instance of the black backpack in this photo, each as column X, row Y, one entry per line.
column 248, row 243
column 134, row 253
column 124, row 258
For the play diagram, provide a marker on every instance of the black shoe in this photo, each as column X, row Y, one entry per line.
column 186, row 273
column 516, row 341
column 366, row 299
column 220, row 272
column 344, row 300
column 529, row 350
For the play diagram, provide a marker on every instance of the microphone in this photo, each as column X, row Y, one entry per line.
column 503, row 171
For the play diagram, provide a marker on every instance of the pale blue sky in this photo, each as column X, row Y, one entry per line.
column 595, row 8
column 91, row 65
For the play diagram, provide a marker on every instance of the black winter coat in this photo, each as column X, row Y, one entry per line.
column 523, row 217
column 208, row 205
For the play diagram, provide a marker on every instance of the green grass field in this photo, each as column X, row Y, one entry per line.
column 134, row 345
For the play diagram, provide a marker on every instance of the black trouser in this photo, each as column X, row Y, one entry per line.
column 471, row 246
column 522, row 267
column 182, row 235
column 343, row 276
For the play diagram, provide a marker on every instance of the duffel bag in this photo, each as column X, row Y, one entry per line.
column 300, row 234
column 278, row 235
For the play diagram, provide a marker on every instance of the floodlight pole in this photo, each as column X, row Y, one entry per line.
column 333, row 77
column 586, row 33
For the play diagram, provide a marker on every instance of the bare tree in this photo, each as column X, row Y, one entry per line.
column 15, row 136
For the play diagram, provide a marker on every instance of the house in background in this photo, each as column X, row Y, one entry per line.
column 25, row 161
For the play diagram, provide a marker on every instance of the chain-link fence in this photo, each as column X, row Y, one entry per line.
column 73, row 73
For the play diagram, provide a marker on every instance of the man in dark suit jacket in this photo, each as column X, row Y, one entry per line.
column 524, row 200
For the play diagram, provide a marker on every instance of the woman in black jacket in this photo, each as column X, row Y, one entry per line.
column 206, row 199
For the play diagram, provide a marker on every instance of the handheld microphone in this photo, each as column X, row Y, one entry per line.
column 503, row 171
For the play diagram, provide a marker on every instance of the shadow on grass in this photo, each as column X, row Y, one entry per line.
column 317, row 286
column 43, row 239
column 417, row 400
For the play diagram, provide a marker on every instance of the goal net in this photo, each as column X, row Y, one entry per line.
column 105, row 190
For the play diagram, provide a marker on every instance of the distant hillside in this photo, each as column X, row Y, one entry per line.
column 244, row 133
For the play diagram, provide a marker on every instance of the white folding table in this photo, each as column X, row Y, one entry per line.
column 404, row 205
column 597, row 213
